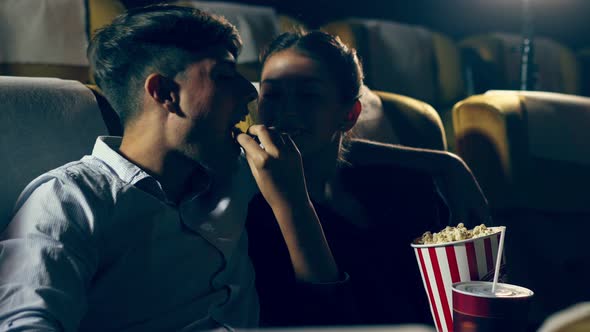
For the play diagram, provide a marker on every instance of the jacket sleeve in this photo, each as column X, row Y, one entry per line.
column 47, row 259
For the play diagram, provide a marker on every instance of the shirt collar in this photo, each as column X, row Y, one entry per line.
column 106, row 148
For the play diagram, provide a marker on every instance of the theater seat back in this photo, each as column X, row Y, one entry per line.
column 396, row 57
column 257, row 25
column 557, row 68
column 44, row 123
column 50, row 40
column 529, row 152
column 397, row 119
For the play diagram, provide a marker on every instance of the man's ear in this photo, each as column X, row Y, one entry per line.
column 352, row 116
column 163, row 91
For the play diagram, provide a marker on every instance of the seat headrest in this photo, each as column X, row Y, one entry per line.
column 52, row 33
column 396, row 57
column 557, row 124
column 557, row 66
column 572, row 319
column 49, row 39
column 373, row 123
column 257, row 25
column 528, row 149
column 395, row 119
column 451, row 84
column 44, row 123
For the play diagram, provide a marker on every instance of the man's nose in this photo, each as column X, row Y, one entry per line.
column 248, row 90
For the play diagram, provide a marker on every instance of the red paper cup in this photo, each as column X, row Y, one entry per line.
column 477, row 308
column 443, row 264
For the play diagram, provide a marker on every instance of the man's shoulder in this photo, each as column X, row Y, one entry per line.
column 87, row 176
column 77, row 193
column 88, row 172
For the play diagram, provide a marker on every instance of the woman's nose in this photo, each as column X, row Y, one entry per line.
column 288, row 114
column 289, row 106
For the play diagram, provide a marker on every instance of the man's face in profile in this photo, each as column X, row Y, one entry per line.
column 213, row 97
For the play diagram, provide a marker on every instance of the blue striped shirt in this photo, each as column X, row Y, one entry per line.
column 94, row 245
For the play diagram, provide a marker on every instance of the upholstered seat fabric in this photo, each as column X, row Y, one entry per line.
column 44, row 123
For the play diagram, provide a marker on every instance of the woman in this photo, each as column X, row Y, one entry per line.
column 370, row 209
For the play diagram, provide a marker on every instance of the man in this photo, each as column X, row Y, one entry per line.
column 147, row 233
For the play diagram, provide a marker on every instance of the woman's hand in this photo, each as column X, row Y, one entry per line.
column 278, row 170
column 276, row 166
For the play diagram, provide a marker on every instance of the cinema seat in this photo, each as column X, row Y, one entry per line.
column 288, row 23
column 573, row 319
column 407, row 60
column 397, row 119
column 257, row 25
column 51, row 40
column 396, row 57
column 451, row 85
column 44, row 123
column 583, row 56
column 557, row 67
column 529, row 152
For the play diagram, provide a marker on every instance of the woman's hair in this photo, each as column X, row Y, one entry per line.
column 340, row 61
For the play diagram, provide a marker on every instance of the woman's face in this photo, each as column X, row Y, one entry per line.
column 298, row 96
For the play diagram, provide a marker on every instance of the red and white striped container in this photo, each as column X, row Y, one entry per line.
column 443, row 264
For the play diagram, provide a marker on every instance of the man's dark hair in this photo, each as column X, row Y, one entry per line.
column 160, row 38
column 339, row 60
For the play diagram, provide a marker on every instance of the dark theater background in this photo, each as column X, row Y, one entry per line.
column 564, row 20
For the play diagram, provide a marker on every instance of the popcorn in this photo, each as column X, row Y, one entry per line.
column 450, row 234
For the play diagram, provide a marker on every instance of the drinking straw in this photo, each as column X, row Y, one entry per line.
column 499, row 258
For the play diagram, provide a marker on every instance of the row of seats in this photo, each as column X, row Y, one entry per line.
column 50, row 40
column 431, row 67
column 495, row 60
column 529, row 153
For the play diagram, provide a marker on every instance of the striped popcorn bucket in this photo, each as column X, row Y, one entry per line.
column 443, row 264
